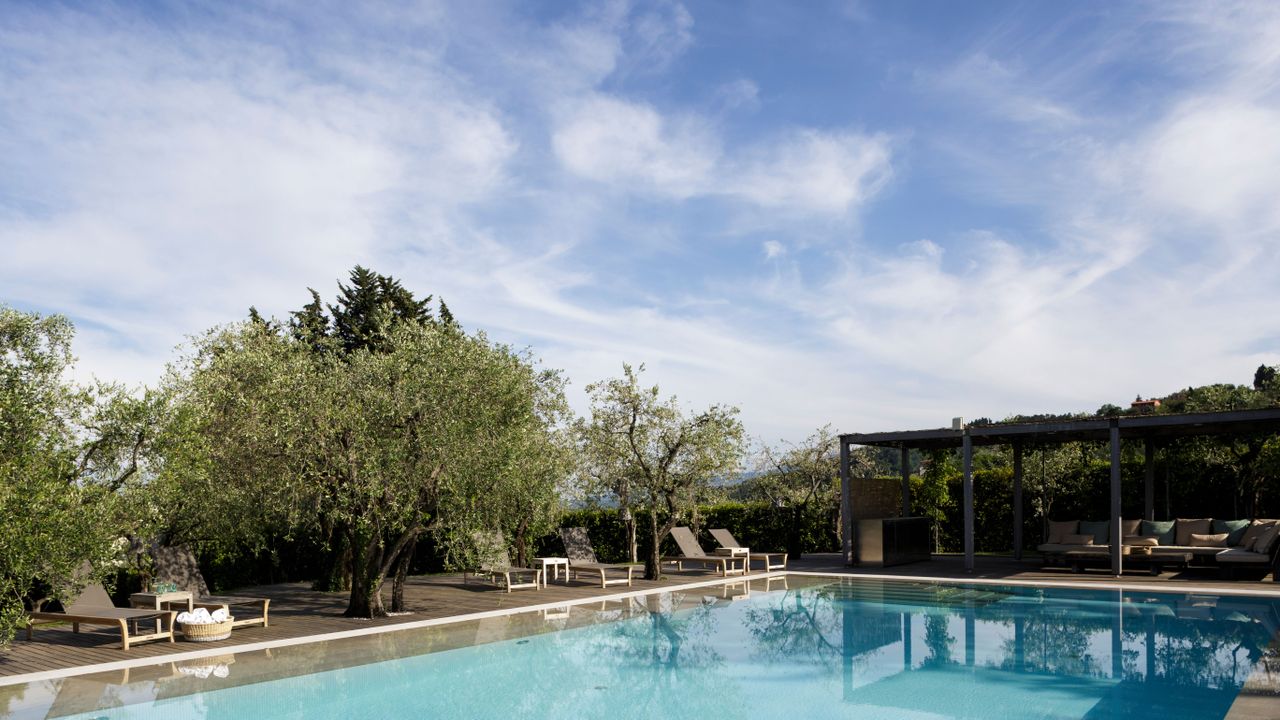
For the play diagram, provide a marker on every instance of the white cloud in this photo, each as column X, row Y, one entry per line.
column 773, row 249
column 806, row 171
column 609, row 140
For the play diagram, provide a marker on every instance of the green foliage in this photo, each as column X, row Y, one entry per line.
column 66, row 454
column 759, row 525
column 652, row 457
column 433, row 432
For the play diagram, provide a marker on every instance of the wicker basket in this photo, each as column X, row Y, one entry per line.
column 207, row 632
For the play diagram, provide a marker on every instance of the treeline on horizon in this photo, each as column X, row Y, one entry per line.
column 356, row 442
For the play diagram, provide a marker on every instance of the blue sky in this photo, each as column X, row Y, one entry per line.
column 874, row 215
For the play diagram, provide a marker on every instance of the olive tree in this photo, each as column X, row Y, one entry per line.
column 666, row 457
column 419, row 436
column 68, row 454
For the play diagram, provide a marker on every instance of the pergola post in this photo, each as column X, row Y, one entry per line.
column 967, row 445
column 1117, row 540
column 1017, row 501
column 846, row 505
column 906, row 482
column 1149, row 479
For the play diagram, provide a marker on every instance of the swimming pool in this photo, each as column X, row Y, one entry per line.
column 818, row 647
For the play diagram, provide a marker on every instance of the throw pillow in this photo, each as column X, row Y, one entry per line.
column 1077, row 540
column 1061, row 529
column 1202, row 540
column 1267, row 539
column 1161, row 530
column 1253, row 532
column 1140, row 540
column 1234, row 529
column 1130, row 527
column 1100, row 530
column 1186, row 527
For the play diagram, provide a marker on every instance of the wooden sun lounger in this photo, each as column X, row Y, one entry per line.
column 603, row 570
column 693, row 553
column 582, row 559
column 495, row 564
column 227, row 602
column 93, row 607
column 771, row 560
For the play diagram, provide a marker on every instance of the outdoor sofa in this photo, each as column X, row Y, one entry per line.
column 1230, row 545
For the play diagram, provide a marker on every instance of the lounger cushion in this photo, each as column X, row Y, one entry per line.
column 1140, row 540
column 1236, row 555
column 1161, row 530
column 1186, row 527
column 1100, row 530
column 1252, row 533
column 1234, row 529
column 1210, row 540
column 1061, row 529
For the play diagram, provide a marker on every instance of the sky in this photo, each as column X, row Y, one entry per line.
column 874, row 215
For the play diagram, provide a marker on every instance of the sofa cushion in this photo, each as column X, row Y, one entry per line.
column 1140, row 540
column 1234, row 529
column 1077, row 540
column 1209, row 540
column 1161, row 530
column 1059, row 529
column 1186, row 527
column 1100, row 530
column 1253, row 532
column 1130, row 527
column 1236, row 555
column 1266, row 540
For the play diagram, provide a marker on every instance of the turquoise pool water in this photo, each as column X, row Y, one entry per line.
column 852, row 648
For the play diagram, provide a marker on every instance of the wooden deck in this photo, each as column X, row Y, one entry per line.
column 297, row 611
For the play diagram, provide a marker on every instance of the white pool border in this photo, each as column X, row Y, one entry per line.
column 1180, row 589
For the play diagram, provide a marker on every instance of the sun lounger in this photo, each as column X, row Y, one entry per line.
column 692, row 552
column 495, row 565
column 179, row 566
column 94, row 607
column 771, row 560
column 582, row 559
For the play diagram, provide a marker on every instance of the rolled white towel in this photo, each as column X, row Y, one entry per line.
column 219, row 615
column 186, row 618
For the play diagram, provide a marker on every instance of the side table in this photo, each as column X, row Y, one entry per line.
column 158, row 601
column 549, row 565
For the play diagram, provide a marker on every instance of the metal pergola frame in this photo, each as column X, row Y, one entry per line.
column 1147, row 428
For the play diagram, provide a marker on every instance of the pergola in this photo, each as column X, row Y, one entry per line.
column 1150, row 429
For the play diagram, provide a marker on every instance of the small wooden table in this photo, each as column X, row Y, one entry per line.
column 744, row 553
column 160, row 601
column 549, row 565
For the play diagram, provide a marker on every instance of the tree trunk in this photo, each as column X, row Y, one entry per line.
column 370, row 566
column 629, row 522
column 653, row 563
column 397, row 586
column 794, row 544
column 522, row 543
column 366, row 581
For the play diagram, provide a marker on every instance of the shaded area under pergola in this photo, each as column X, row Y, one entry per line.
column 1150, row 429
